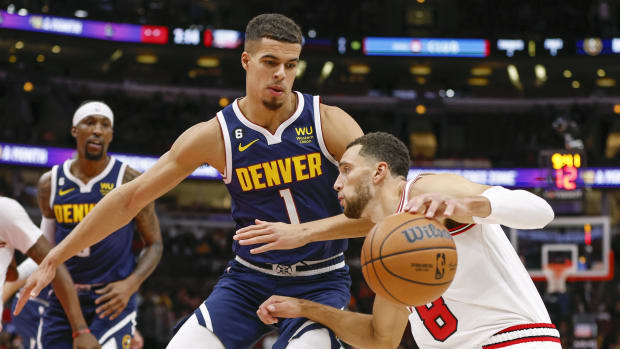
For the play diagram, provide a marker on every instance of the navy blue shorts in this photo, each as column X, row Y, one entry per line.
column 28, row 323
column 58, row 332
column 240, row 291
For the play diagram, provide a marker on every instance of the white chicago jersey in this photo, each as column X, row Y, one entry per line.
column 16, row 232
column 492, row 301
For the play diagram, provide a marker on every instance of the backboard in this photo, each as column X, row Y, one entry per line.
column 582, row 241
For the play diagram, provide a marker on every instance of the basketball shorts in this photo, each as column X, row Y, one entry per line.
column 230, row 310
column 29, row 323
column 115, row 333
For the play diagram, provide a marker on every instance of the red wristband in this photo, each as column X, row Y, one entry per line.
column 79, row 332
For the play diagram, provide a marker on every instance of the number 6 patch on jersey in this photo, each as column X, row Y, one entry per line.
column 438, row 319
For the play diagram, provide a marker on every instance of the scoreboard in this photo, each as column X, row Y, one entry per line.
column 563, row 168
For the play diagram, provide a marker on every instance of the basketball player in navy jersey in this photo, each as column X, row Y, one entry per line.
column 106, row 274
column 277, row 151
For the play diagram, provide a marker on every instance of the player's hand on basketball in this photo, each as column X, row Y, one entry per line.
column 279, row 307
column 274, row 236
column 435, row 205
column 86, row 341
column 41, row 277
column 114, row 298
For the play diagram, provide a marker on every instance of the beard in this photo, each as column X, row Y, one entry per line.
column 273, row 104
column 93, row 156
column 355, row 206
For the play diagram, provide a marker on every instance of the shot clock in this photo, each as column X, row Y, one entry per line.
column 562, row 168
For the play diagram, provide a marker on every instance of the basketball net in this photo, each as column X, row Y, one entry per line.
column 556, row 274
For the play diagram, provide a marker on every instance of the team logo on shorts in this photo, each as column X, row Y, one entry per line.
column 105, row 187
column 126, row 342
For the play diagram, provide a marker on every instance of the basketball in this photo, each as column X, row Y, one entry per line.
column 409, row 259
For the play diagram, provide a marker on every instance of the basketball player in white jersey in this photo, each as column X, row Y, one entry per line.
column 18, row 232
column 492, row 302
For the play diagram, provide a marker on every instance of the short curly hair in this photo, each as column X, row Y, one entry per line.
column 272, row 26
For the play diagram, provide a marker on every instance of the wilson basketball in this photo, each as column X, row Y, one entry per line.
column 409, row 259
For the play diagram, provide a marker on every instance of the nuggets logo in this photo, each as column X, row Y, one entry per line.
column 304, row 134
column 126, row 341
column 105, row 188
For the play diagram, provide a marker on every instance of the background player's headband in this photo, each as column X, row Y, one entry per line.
column 92, row 108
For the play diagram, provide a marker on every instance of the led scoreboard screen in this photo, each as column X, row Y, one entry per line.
column 563, row 168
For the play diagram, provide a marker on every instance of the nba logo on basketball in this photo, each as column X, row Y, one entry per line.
column 440, row 268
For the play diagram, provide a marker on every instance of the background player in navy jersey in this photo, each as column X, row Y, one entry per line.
column 29, row 323
column 18, row 232
column 277, row 150
column 106, row 274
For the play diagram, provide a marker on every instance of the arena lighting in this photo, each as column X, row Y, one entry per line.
column 81, row 13
column 541, row 74
column 575, row 84
column 301, row 68
column 420, row 109
column 146, row 58
column 116, row 55
column 481, row 71
column 356, row 45
column 28, row 86
column 12, row 59
column 531, row 48
column 553, row 45
column 617, row 108
column 420, row 80
column 510, row 46
column 327, row 69
column 22, row 12
column 10, row 9
column 224, row 102
column 600, row 72
column 449, row 93
column 208, row 62
column 513, row 74
column 19, row 45
column 312, row 33
column 478, row 81
column 56, row 49
column 567, row 74
column 40, row 58
column 420, row 70
column 606, row 82
column 359, row 69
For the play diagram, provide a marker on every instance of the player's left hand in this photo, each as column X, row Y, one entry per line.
column 275, row 236
column 435, row 205
column 114, row 298
column 279, row 306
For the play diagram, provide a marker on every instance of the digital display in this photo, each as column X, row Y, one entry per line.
column 377, row 46
column 189, row 36
column 597, row 46
column 510, row 46
column 597, row 177
column 85, row 28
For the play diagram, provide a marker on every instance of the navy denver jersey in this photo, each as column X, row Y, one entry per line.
column 110, row 259
column 283, row 177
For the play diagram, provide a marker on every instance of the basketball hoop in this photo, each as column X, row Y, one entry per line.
column 556, row 274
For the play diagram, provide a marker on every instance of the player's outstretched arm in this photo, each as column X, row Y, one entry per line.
column 114, row 297
column 447, row 195
column 339, row 129
column 383, row 329
column 198, row 145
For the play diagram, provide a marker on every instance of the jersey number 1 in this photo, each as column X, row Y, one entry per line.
column 290, row 205
column 438, row 319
